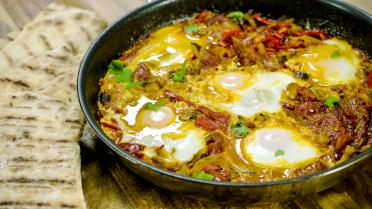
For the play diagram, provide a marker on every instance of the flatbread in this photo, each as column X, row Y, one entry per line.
column 8, row 38
column 66, row 92
column 38, row 71
column 39, row 150
column 62, row 119
column 52, row 9
column 46, row 47
column 70, row 28
column 40, row 117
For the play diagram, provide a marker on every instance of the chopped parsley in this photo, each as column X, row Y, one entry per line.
column 191, row 29
column 203, row 176
column 133, row 84
column 153, row 106
column 236, row 16
column 331, row 101
column 240, row 129
column 336, row 54
column 279, row 152
column 179, row 76
column 122, row 74
column 116, row 65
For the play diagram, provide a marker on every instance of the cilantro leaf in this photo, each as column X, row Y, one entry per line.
column 116, row 65
column 153, row 106
column 133, row 84
column 179, row 76
column 279, row 152
column 191, row 29
column 236, row 16
column 203, row 176
column 336, row 54
column 331, row 101
column 122, row 74
column 240, row 129
column 125, row 75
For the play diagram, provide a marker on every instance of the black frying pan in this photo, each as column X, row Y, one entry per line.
column 332, row 16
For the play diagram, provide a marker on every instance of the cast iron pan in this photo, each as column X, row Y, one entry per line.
column 332, row 16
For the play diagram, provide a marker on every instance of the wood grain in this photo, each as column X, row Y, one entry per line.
column 109, row 185
column 352, row 193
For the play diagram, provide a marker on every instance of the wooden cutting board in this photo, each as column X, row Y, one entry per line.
column 109, row 185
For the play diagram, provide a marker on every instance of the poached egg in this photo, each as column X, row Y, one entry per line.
column 250, row 95
column 278, row 147
column 330, row 63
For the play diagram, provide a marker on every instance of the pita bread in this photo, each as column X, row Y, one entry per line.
column 40, row 117
column 70, row 28
column 67, row 92
column 8, row 38
column 38, row 152
column 29, row 110
column 50, row 10
column 38, row 71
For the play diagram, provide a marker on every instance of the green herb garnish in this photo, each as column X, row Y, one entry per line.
column 191, row 29
column 203, row 175
column 133, row 84
column 116, row 65
column 331, row 101
column 279, row 152
column 153, row 106
column 179, row 76
column 336, row 54
column 240, row 129
column 124, row 75
column 236, row 16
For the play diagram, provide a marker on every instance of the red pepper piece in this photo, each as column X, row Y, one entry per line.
column 318, row 34
column 369, row 80
column 226, row 40
column 262, row 20
column 133, row 149
column 201, row 17
column 209, row 124
column 112, row 126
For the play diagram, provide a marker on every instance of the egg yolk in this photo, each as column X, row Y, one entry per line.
column 231, row 81
column 167, row 46
column 160, row 118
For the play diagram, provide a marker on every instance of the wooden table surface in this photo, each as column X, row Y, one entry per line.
column 109, row 185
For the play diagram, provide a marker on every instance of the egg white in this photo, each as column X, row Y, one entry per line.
column 184, row 148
